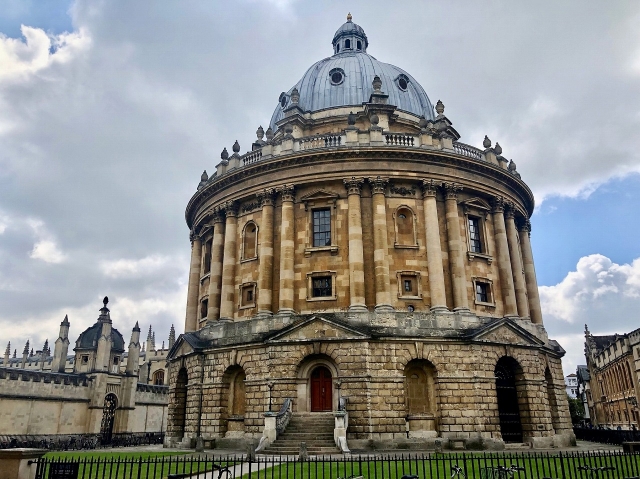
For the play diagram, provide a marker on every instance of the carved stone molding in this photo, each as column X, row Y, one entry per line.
column 510, row 209
column 402, row 190
column 246, row 208
column 429, row 188
column 378, row 185
column 267, row 197
column 524, row 225
column 353, row 185
column 218, row 215
column 231, row 208
column 287, row 192
column 498, row 204
column 451, row 190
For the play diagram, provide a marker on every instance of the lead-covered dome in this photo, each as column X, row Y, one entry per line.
column 345, row 79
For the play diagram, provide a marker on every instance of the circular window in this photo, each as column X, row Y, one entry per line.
column 283, row 99
column 336, row 76
column 403, row 82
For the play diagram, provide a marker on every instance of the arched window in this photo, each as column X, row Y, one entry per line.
column 419, row 388
column 359, row 45
column 250, row 241
column 158, row 377
column 405, row 231
column 347, row 43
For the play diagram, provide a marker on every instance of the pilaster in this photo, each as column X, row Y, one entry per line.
column 380, row 243
column 356, row 252
column 215, row 276
column 287, row 247
column 535, row 311
column 456, row 253
column 227, row 293
column 265, row 269
column 504, row 259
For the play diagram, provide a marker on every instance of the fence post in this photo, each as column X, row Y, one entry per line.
column 20, row 463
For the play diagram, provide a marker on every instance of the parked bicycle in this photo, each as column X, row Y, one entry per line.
column 501, row 472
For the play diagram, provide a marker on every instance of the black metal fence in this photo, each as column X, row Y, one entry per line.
column 434, row 466
column 606, row 436
column 67, row 442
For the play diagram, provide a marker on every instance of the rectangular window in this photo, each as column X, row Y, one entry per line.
column 407, row 286
column 204, row 306
column 322, row 227
column 474, row 235
column 482, row 292
column 248, row 294
column 321, row 287
column 85, row 359
column 207, row 257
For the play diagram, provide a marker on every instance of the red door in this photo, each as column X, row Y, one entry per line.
column 321, row 389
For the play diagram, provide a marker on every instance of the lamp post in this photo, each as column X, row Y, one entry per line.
column 270, row 385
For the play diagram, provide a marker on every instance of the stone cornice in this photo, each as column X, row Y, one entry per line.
column 425, row 156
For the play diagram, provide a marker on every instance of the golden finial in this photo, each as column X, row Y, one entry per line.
column 349, row 17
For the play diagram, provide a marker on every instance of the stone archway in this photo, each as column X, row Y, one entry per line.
column 506, row 372
column 108, row 417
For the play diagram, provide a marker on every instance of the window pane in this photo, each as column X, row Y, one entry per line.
column 322, row 227
column 474, row 235
column 321, row 287
column 482, row 293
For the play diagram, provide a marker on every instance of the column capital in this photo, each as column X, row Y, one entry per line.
column 218, row 215
column 510, row 209
column 498, row 203
column 230, row 208
column 267, row 197
column 287, row 192
column 378, row 185
column 524, row 225
column 451, row 189
column 192, row 235
column 353, row 185
column 429, row 188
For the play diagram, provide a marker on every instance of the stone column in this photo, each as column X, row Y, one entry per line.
column 456, row 248
column 227, row 294
column 287, row 250
column 265, row 269
column 215, row 277
column 504, row 259
column 193, row 290
column 380, row 243
column 516, row 263
column 535, row 312
column 434, row 251
column 356, row 253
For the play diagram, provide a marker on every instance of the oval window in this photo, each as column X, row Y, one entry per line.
column 283, row 99
column 403, row 82
column 336, row 76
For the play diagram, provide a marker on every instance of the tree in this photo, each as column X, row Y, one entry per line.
column 576, row 409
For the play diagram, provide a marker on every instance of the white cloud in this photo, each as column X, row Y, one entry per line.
column 47, row 251
column 127, row 268
column 38, row 51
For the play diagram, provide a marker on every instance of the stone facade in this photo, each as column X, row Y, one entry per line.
column 612, row 385
column 97, row 390
column 362, row 252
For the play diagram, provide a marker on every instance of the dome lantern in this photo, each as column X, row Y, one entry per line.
column 350, row 38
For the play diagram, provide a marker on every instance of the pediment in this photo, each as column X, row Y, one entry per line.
column 180, row 348
column 320, row 195
column 505, row 331
column 317, row 328
column 477, row 203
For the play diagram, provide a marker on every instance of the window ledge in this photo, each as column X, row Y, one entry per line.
column 489, row 305
column 487, row 257
column 314, row 249
column 247, row 306
column 246, row 260
column 323, row 298
column 410, row 297
column 406, row 246
column 202, row 278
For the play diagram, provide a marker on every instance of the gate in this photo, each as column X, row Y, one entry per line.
column 108, row 418
column 508, row 409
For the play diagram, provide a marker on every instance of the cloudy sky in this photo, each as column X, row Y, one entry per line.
column 110, row 110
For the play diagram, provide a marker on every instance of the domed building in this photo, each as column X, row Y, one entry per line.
column 362, row 269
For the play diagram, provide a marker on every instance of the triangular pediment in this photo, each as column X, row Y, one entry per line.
column 506, row 331
column 181, row 347
column 476, row 202
column 317, row 328
column 320, row 195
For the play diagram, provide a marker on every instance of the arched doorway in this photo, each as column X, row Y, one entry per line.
column 108, row 417
column 180, row 403
column 420, row 397
column 321, row 390
column 508, row 408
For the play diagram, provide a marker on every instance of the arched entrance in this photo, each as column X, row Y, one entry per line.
column 508, row 408
column 108, row 417
column 321, row 390
column 180, row 403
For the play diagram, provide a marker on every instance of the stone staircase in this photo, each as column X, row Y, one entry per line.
column 315, row 429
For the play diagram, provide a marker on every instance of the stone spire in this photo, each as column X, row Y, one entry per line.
column 172, row 336
column 153, row 340
column 61, row 347
column 150, row 346
column 25, row 355
column 15, row 353
column 46, row 351
column 133, row 358
column 7, row 354
column 103, row 353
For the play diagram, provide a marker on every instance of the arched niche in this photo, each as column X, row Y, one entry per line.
column 314, row 371
column 421, row 398
column 233, row 401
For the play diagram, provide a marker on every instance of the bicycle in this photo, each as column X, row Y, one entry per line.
column 501, row 472
column 457, row 471
column 594, row 472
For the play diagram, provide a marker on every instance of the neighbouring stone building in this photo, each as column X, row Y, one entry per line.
column 612, row 382
column 101, row 388
column 362, row 252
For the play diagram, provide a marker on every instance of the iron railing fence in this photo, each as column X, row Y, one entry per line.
column 607, row 436
column 67, row 442
column 571, row 465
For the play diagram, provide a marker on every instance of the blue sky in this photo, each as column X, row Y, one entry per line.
column 110, row 110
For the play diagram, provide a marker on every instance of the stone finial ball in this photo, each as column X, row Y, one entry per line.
column 351, row 119
column 236, row 147
column 225, row 154
column 487, row 142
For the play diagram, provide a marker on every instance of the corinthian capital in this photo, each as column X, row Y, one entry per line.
column 498, row 204
column 230, row 208
column 287, row 192
column 524, row 225
column 267, row 197
column 429, row 188
column 451, row 189
column 510, row 209
column 218, row 214
column 378, row 185
column 353, row 185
